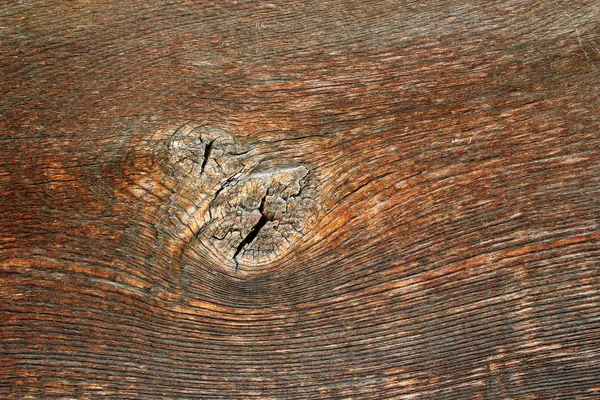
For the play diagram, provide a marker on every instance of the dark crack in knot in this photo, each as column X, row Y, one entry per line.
column 261, row 214
column 232, row 205
column 207, row 152
column 254, row 232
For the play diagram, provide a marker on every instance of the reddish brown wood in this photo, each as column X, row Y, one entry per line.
column 453, row 156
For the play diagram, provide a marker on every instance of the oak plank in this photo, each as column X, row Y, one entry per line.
column 283, row 200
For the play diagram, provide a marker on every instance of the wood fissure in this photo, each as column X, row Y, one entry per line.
column 255, row 229
column 207, row 151
column 335, row 199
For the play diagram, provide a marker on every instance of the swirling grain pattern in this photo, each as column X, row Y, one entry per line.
column 300, row 200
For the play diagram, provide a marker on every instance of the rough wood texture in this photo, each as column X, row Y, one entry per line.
column 292, row 200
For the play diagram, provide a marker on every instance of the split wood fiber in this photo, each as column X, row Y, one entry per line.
column 300, row 200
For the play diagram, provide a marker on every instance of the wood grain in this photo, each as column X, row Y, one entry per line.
column 452, row 250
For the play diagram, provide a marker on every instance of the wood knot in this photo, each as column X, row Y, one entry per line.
column 233, row 205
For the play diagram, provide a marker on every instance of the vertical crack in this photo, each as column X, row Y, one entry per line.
column 255, row 229
column 207, row 152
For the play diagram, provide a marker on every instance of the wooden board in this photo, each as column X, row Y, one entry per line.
column 291, row 200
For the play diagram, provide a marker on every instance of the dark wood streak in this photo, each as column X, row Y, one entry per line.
column 262, row 221
column 454, row 148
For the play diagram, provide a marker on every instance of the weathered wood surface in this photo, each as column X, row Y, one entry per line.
column 399, row 199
